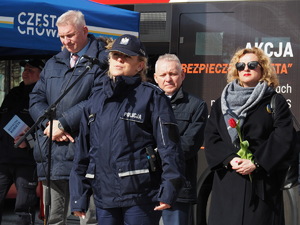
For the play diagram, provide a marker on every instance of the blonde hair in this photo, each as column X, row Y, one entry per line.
column 267, row 69
column 108, row 40
column 143, row 72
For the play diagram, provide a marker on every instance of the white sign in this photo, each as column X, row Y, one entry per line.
column 15, row 127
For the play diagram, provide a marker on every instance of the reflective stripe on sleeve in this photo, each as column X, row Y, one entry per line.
column 133, row 172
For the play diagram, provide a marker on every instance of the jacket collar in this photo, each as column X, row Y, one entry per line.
column 27, row 88
column 178, row 95
column 64, row 55
column 121, row 85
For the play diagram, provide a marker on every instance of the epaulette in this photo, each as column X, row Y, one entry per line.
column 154, row 87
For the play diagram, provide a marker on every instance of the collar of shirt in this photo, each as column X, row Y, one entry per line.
column 82, row 51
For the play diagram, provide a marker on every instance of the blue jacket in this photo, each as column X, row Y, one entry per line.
column 55, row 77
column 120, row 120
column 191, row 115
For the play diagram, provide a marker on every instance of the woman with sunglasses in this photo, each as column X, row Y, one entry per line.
column 246, row 189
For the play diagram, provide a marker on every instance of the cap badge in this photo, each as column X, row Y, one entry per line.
column 124, row 41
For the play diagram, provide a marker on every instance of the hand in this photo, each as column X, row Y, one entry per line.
column 79, row 214
column 242, row 166
column 23, row 144
column 58, row 134
column 235, row 162
column 162, row 206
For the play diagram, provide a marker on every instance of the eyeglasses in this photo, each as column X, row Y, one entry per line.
column 251, row 65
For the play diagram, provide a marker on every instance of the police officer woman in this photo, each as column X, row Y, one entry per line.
column 125, row 121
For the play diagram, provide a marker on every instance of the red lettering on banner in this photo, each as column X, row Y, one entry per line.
column 282, row 68
column 184, row 66
column 212, row 68
column 202, row 67
column 225, row 66
column 218, row 68
column 196, row 66
column 190, row 68
column 209, row 68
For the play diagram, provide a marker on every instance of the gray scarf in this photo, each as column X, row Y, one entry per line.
column 236, row 102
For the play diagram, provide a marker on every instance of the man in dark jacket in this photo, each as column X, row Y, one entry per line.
column 17, row 165
column 191, row 114
column 59, row 73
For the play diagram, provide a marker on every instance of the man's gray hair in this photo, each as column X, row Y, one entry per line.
column 168, row 57
column 71, row 17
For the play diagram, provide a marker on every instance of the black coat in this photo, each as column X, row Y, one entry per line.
column 15, row 103
column 191, row 114
column 235, row 199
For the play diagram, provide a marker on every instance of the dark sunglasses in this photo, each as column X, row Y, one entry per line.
column 251, row 65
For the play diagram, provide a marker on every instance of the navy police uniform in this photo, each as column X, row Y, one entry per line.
column 121, row 120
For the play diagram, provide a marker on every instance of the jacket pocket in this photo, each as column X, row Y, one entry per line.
column 169, row 130
column 134, row 176
column 182, row 116
column 183, row 120
column 70, row 151
column 136, row 128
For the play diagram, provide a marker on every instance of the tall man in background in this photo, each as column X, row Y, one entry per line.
column 59, row 73
column 191, row 114
column 17, row 165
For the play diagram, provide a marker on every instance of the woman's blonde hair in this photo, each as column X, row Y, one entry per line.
column 143, row 72
column 108, row 40
column 267, row 69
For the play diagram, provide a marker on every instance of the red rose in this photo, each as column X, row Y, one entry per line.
column 232, row 123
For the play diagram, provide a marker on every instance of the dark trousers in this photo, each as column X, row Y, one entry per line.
column 25, row 179
column 179, row 214
column 134, row 215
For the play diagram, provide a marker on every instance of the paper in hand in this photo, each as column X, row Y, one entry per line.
column 15, row 127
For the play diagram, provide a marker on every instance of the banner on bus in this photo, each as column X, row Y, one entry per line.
column 30, row 24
